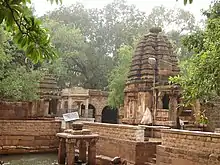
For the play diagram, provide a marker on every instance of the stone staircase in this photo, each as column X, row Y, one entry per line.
column 151, row 161
column 190, row 126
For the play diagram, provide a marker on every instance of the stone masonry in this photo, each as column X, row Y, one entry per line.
column 144, row 76
column 180, row 147
column 25, row 136
column 124, row 141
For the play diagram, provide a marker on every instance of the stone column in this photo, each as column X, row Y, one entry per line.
column 62, row 151
column 80, row 109
column 82, row 150
column 70, row 102
column 46, row 108
column 92, row 152
column 86, row 108
column 173, row 108
column 70, row 151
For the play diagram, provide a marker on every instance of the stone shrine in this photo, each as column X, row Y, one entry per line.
column 147, row 83
column 74, row 138
column 49, row 94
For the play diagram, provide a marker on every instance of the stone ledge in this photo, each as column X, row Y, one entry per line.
column 30, row 121
column 114, row 125
column 193, row 133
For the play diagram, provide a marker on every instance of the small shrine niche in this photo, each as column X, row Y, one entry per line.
column 50, row 94
column 77, row 138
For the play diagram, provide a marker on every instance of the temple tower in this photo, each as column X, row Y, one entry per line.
column 153, row 63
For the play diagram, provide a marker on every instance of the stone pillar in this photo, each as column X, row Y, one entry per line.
column 82, row 150
column 62, row 151
column 80, row 110
column 92, row 152
column 46, row 108
column 70, row 102
column 160, row 102
column 70, row 151
column 86, row 108
column 173, row 108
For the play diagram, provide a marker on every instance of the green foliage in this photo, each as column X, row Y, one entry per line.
column 17, row 80
column 118, row 77
column 201, row 73
column 80, row 63
column 27, row 31
column 20, row 85
column 87, row 40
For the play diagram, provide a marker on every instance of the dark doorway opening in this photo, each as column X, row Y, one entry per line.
column 166, row 101
column 110, row 115
column 52, row 110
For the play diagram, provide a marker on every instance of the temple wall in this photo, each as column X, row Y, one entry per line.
column 188, row 148
column 21, row 110
column 123, row 140
column 99, row 102
column 212, row 112
column 25, row 136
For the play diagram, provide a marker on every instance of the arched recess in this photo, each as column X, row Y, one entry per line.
column 91, row 111
column 109, row 115
column 166, row 101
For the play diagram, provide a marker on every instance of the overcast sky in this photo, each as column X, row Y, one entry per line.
column 42, row 6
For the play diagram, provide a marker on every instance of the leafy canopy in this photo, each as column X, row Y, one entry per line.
column 118, row 76
column 200, row 75
column 27, row 31
column 18, row 81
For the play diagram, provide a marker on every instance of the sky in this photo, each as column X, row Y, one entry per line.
column 43, row 6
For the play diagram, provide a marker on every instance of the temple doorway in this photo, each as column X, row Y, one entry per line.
column 52, row 109
column 110, row 115
column 166, row 101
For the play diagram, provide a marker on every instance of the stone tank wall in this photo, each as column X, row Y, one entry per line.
column 25, row 136
column 121, row 140
column 180, row 147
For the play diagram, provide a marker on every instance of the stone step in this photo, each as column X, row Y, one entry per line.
column 149, row 163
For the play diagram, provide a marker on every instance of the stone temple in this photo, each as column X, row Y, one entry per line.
column 153, row 63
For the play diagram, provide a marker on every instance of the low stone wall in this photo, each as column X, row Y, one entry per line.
column 21, row 110
column 123, row 140
column 153, row 131
column 117, row 131
column 188, row 148
column 24, row 136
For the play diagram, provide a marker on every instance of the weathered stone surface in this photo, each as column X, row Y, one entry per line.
column 121, row 140
column 189, row 147
column 80, row 96
column 23, row 136
column 153, row 61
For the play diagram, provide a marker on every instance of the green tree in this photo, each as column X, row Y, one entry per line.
column 80, row 63
column 118, row 77
column 201, row 73
column 27, row 31
column 107, row 29
column 18, row 81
